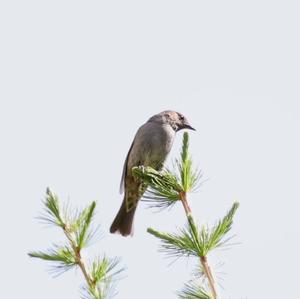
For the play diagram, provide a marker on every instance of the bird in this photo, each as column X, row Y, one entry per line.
column 150, row 147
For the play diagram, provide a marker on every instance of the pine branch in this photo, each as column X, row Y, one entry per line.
column 77, row 229
column 165, row 189
column 177, row 245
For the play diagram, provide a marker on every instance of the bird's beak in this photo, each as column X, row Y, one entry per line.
column 188, row 126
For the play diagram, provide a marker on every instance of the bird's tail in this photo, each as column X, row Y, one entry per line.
column 123, row 222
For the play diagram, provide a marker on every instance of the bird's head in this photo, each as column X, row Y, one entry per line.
column 175, row 119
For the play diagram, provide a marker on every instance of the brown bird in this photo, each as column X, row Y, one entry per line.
column 150, row 147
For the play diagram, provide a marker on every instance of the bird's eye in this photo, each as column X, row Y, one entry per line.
column 181, row 117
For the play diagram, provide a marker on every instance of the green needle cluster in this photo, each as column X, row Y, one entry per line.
column 193, row 290
column 101, row 274
column 193, row 240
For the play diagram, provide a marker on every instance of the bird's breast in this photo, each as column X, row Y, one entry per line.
column 152, row 144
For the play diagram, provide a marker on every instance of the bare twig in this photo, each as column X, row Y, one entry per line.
column 208, row 273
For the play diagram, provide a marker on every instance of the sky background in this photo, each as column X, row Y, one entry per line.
column 77, row 78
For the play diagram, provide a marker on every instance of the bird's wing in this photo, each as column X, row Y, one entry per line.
column 122, row 184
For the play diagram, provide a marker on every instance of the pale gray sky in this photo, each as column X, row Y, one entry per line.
column 78, row 78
